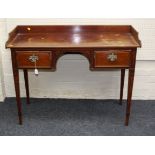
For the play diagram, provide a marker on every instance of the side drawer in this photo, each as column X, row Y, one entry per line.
column 28, row 59
column 112, row 58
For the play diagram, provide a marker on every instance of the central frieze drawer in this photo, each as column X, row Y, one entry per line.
column 112, row 58
column 32, row 59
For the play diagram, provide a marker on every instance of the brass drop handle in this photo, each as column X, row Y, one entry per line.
column 33, row 58
column 112, row 57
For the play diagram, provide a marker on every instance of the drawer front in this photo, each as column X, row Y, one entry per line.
column 112, row 58
column 28, row 59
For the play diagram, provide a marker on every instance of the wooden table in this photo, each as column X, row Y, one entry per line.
column 40, row 47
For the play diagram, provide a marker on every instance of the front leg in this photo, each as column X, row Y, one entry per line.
column 130, row 88
column 17, row 86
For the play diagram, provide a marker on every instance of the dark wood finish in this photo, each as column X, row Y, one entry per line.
column 123, row 58
column 109, row 46
column 44, row 59
column 17, row 87
column 130, row 87
column 26, row 86
column 73, row 36
column 122, row 85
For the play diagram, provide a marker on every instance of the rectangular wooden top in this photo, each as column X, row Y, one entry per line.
column 73, row 36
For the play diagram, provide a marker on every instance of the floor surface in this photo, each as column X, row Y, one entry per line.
column 76, row 117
